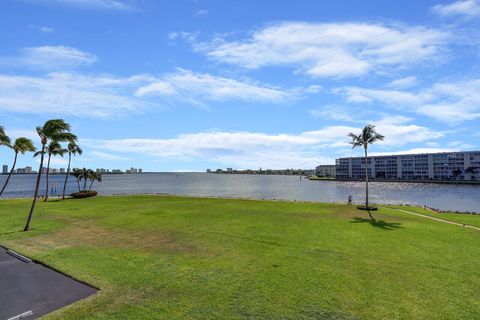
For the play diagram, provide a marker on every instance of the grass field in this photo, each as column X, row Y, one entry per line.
column 470, row 219
column 159, row 257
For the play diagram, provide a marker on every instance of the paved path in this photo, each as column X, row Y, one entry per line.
column 29, row 287
column 438, row 219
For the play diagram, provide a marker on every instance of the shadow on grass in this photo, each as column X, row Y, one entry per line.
column 9, row 232
column 378, row 223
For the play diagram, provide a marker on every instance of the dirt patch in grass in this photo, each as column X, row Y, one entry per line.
column 92, row 234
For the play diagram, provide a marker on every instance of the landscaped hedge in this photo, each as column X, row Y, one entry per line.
column 84, row 194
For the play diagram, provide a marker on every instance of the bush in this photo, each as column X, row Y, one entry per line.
column 84, row 194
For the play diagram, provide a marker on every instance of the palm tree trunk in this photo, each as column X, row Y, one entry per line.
column 10, row 174
column 366, row 178
column 78, row 183
column 90, row 187
column 68, row 172
column 48, row 171
column 37, row 186
column 84, row 184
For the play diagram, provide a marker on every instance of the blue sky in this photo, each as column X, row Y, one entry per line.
column 187, row 85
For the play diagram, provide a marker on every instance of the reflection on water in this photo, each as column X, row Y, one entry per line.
column 445, row 197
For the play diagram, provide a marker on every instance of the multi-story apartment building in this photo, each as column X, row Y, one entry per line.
column 462, row 166
column 325, row 170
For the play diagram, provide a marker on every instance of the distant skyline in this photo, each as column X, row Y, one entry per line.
column 188, row 85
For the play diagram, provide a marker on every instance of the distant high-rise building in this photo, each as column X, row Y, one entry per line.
column 62, row 170
column 28, row 170
column 209, row 170
column 140, row 170
column 5, row 169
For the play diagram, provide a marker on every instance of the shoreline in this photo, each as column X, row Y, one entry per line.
column 160, row 194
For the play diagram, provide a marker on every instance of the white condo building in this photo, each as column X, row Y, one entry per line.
column 461, row 166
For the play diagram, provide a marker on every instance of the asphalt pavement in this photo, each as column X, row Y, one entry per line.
column 28, row 287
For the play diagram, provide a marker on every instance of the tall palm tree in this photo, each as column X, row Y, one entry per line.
column 73, row 149
column 21, row 145
column 366, row 137
column 53, row 130
column 53, row 149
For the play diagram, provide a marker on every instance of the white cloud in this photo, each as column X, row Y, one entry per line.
column 253, row 149
column 451, row 102
column 71, row 94
column 158, row 89
column 202, row 12
column 16, row 133
column 403, row 83
column 50, row 58
column 106, row 96
column 94, row 4
column 313, row 89
column 99, row 155
column 197, row 88
column 330, row 49
column 43, row 29
column 466, row 8
column 334, row 112
column 46, row 29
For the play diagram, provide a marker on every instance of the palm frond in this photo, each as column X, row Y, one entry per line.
column 4, row 139
column 36, row 154
column 23, row 145
column 366, row 137
column 73, row 148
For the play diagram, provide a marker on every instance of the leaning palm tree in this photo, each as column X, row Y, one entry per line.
column 72, row 149
column 365, row 138
column 94, row 176
column 53, row 149
column 21, row 145
column 77, row 173
column 53, row 130
column 86, row 174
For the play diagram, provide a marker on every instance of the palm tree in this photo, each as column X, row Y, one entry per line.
column 366, row 137
column 94, row 176
column 21, row 145
column 456, row 173
column 53, row 130
column 73, row 149
column 471, row 171
column 85, row 175
column 77, row 173
column 53, row 149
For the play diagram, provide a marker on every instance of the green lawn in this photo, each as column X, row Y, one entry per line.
column 157, row 257
column 470, row 219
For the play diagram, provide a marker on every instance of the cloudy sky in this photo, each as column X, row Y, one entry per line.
column 185, row 85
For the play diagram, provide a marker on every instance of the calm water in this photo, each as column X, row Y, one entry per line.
column 445, row 197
